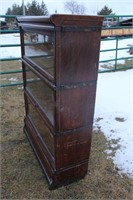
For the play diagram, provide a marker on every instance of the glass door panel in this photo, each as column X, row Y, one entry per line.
column 41, row 128
column 42, row 93
column 40, row 50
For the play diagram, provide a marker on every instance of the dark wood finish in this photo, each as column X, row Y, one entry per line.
column 60, row 74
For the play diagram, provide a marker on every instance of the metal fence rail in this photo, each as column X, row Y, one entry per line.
column 116, row 59
column 2, row 59
column 116, row 27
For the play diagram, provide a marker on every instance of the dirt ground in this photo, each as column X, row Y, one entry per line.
column 22, row 176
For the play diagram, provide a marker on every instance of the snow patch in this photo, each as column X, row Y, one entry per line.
column 114, row 105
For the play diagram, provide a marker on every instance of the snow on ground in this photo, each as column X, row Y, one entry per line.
column 122, row 43
column 113, row 110
column 114, row 115
column 10, row 52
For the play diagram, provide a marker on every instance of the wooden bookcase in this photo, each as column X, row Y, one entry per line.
column 60, row 55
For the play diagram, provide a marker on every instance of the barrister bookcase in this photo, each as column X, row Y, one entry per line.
column 60, row 56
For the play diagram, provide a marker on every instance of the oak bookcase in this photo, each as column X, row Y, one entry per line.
column 60, row 55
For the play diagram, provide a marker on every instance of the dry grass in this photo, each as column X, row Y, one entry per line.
column 22, row 177
column 10, row 66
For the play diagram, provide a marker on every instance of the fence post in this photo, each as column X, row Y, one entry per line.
column 116, row 52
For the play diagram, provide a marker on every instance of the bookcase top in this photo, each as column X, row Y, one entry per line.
column 61, row 19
